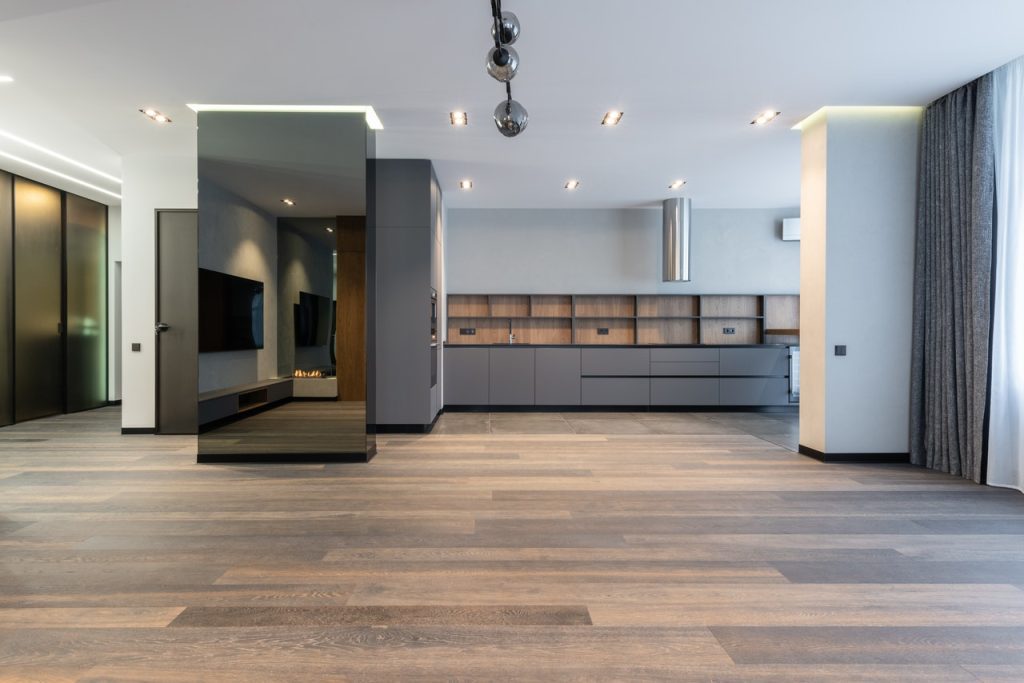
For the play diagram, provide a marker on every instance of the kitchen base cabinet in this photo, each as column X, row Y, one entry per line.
column 467, row 376
column 511, row 377
column 684, row 391
column 754, row 391
column 755, row 362
column 616, row 391
column 557, row 377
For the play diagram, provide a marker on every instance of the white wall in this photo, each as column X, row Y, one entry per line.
column 150, row 183
column 240, row 239
column 572, row 251
column 859, row 222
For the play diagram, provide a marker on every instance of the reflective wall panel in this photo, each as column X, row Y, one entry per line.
column 38, row 375
column 86, row 344
column 6, row 300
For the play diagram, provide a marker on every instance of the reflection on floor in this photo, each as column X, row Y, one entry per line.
column 780, row 428
column 509, row 554
column 298, row 427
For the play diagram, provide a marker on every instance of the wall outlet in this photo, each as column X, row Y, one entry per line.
column 136, row 346
column 467, row 331
column 841, row 350
column 602, row 330
column 728, row 330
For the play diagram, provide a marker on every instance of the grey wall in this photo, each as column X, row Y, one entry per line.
column 302, row 266
column 606, row 251
column 237, row 238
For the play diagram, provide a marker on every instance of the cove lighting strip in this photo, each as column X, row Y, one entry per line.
column 372, row 120
column 65, row 176
column 57, row 155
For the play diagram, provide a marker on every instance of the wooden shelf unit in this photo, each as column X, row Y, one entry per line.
column 624, row 319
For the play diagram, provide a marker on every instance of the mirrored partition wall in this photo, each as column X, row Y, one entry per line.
column 282, row 287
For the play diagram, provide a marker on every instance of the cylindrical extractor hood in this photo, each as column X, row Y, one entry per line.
column 675, row 240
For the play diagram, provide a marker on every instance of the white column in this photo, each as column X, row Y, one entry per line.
column 858, row 211
column 150, row 183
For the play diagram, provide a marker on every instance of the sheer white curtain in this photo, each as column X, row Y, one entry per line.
column 1006, row 425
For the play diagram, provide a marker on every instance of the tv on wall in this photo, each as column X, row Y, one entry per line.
column 230, row 312
column 312, row 320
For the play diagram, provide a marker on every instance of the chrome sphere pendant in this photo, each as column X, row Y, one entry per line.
column 511, row 118
column 502, row 63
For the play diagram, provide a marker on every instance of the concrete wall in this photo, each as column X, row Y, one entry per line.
column 858, row 205
column 237, row 238
column 606, row 251
column 150, row 183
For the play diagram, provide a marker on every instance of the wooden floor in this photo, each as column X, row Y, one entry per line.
column 502, row 547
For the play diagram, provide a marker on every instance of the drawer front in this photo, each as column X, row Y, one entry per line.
column 217, row 408
column 616, row 391
column 755, row 362
column 754, row 391
column 684, row 355
column 616, row 362
column 511, row 377
column 684, row 368
column 684, row 391
column 557, row 377
column 280, row 391
column 466, row 376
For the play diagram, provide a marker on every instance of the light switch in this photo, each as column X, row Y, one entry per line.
column 841, row 350
column 136, row 346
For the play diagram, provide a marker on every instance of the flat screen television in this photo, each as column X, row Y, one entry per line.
column 312, row 320
column 230, row 312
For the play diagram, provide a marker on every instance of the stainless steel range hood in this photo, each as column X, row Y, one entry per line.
column 675, row 240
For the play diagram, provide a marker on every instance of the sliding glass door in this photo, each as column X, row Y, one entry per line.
column 86, row 352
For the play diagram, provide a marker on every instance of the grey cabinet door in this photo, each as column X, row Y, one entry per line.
column 616, row 362
column 557, row 374
column 754, row 391
column 616, row 391
column 466, row 376
column 684, row 355
column 684, row 391
column 684, row 369
column 755, row 362
column 511, row 377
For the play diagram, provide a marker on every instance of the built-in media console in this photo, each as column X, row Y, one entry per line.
column 621, row 350
column 226, row 404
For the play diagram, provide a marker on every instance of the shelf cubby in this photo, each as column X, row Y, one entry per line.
column 731, row 306
column 487, row 330
column 745, row 331
column 605, row 306
column 509, row 306
column 543, row 330
column 667, row 306
column 617, row 331
column 468, row 306
column 550, row 306
column 667, row 331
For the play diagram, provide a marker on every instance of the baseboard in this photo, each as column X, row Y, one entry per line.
column 404, row 428
column 902, row 458
column 138, row 430
column 621, row 409
column 283, row 458
column 115, row 402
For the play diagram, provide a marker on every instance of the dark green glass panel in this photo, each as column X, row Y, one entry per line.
column 6, row 301
column 86, row 249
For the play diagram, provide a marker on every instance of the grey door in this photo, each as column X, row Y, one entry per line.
column 38, row 333
column 177, row 342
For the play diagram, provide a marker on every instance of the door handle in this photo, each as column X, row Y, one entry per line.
column 162, row 327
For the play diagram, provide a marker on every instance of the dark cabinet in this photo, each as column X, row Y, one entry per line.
column 466, row 376
column 557, row 377
column 511, row 377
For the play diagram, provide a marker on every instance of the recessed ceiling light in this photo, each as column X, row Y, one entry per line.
column 765, row 117
column 154, row 115
column 329, row 229
column 466, row 184
column 6, row 79
column 289, row 202
column 676, row 184
column 572, row 184
column 459, row 118
column 612, row 118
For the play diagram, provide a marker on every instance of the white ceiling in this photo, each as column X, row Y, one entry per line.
column 690, row 75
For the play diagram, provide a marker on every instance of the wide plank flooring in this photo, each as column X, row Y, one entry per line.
column 534, row 547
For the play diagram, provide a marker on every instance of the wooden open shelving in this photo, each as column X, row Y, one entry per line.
column 624, row 319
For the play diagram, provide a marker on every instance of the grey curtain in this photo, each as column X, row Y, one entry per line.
column 953, row 282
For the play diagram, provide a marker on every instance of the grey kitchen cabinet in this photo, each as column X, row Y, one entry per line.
column 754, row 391
column 670, row 355
column 466, row 376
column 684, row 391
column 684, row 369
column 754, row 362
column 616, row 362
column 511, row 376
column 616, row 391
column 557, row 377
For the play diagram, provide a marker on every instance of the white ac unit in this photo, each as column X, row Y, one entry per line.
column 791, row 229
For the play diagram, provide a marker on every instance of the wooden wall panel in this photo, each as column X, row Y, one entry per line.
column 730, row 306
column 620, row 331
column 543, row 331
column 551, row 306
column 488, row 330
column 748, row 331
column 6, row 299
column 667, row 331
column 350, row 340
column 506, row 306
column 667, row 306
column 468, row 306
column 606, row 306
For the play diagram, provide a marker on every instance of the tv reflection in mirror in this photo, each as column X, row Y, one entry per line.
column 312, row 320
column 230, row 312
